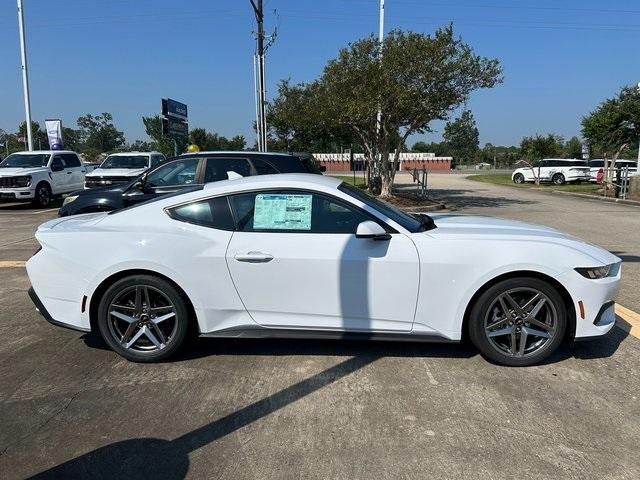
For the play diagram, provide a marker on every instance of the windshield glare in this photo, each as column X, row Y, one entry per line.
column 407, row 221
column 25, row 160
column 126, row 161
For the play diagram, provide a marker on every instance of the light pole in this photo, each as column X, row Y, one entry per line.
column 639, row 139
column 25, row 75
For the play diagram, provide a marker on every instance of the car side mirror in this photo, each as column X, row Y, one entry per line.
column 57, row 167
column 323, row 168
column 372, row 230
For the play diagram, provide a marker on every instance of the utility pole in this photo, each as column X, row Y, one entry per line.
column 380, row 39
column 25, row 75
column 261, row 106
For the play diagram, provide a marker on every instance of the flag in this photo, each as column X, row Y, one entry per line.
column 54, row 133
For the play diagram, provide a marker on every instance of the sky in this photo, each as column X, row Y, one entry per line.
column 560, row 57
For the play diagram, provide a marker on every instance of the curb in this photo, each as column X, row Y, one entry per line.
column 634, row 203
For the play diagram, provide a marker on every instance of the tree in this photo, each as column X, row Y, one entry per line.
column 160, row 143
column 542, row 146
column 615, row 124
column 212, row 141
column 573, row 148
column 462, row 137
column 39, row 136
column 99, row 133
column 412, row 79
column 72, row 139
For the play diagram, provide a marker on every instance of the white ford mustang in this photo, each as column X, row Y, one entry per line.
column 308, row 256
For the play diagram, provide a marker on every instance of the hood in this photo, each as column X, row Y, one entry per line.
column 479, row 227
column 17, row 171
column 116, row 172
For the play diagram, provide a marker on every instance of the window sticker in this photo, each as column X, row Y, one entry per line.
column 282, row 212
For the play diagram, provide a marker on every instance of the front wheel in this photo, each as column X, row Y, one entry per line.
column 518, row 178
column 518, row 321
column 143, row 318
column 42, row 196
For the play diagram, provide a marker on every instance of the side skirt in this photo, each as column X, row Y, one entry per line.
column 263, row 332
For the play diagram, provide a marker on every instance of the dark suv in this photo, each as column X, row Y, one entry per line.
column 183, row 172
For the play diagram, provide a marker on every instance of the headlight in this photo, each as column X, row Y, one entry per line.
column 594, row 273
column 68, row 199
column 23, row 181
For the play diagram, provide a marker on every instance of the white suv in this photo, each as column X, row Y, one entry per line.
column 598, row 164
column 39, row 175
column 122, row 167
column 556, row 170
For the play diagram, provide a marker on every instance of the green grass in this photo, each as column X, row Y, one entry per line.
column 505, row 179
column 349, row 179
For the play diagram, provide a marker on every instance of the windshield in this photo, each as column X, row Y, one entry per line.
column 413, row 224
column 126, row 161
column 30, row 160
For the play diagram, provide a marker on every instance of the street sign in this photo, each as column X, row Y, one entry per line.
column 174, row 119
column 174, row 109
column 174, row 128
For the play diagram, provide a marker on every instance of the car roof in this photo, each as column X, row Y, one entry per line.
column 235, row 152
column 282, row 179
column 132, row 152
column 565, row 159
column 44, row 152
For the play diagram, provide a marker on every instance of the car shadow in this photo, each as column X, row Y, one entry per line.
column 18, row 207
column 462, row 198
column 627, row 258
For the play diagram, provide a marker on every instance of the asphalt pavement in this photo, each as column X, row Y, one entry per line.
column 245, row 409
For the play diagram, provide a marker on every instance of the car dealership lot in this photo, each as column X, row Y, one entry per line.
column 323, row 409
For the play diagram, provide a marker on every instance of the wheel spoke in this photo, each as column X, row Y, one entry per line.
column 135, row 338
column 501, row 322
column 155, row 328
column 513, row 345
column 539, row 324
column 536, row 333
column 500, row 332
column 128, row 332
column 162, row 318
column 523, row 341
column 505, row 309
column 122, row 316
column 146, row 297
column 516, row 307
column 152, row 338
column 527, row 306
column 138, row 299
column 160, row 309
column 536, row 310
column 124, row 307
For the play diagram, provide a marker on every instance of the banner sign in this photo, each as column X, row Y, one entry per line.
column 174, row 128
column 54, row 134
column 174, row 118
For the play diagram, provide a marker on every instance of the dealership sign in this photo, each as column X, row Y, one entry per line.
column 174, row 118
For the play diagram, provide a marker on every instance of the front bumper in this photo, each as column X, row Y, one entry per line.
column 47, row 316
column 16, row 194
column 99, row 182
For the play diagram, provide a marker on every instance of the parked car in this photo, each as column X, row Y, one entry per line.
column 304, row 256
column 556, row 170
column 122, row 167
column 38, row 176
column 180, row 173
column 597, row 165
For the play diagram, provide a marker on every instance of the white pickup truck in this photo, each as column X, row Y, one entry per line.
column 40, row 175
column 122, row 167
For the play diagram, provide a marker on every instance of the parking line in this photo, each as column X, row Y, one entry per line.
column 631, row 318
column 12, row 263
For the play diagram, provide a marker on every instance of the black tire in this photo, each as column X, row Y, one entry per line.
column 487, row 305
column 174, row 332
column 518, row 178
column 558, row 179
column 42, row 195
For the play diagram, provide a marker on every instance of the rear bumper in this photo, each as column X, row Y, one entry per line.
column 47, row 316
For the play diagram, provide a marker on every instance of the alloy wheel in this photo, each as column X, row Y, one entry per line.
column 142, row 318
column 43, row 196
column 520, row 322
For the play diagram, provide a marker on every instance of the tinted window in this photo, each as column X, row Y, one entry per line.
column 262, row 167
column 212, row 213
column 25, row 160
column 596, row 163
column 295, row 211
column 182, row 172
column 57, row 161
column 217, row 168
column 287, row 164
column 71, row 160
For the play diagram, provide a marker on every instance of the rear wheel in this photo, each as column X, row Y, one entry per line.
column 143, row 318
column 558, row 179
column 42, row 197
column 518, row 321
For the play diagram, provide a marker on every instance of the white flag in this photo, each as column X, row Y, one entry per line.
column 54, row 133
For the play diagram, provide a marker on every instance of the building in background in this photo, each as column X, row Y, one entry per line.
column 342, row 162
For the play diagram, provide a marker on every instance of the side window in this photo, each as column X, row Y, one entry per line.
column 544, row 163
column 217, row 168
column 289, row 211
column 57, row 163
column 175, row 173
column 71, row 160
column 262, row 167
column 212, row 213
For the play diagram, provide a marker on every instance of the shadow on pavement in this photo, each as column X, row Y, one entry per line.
column 459, row 198
column 169, row 459
column 626, row 257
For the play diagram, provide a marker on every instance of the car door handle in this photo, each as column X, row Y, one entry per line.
column 69, row 173
column 253, row 257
